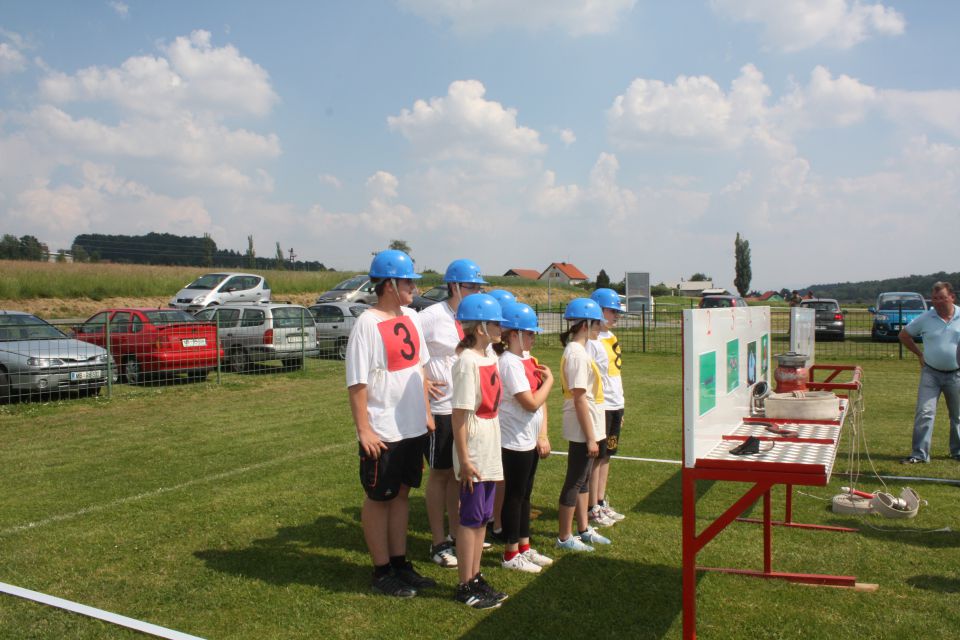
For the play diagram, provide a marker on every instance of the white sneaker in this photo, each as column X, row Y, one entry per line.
column 537, row 558
column 599, row 518
column 519, row 562
column 610, row 513
column 573, row 543
column 590, row 536
column 444, row 554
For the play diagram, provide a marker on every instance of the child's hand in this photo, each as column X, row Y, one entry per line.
column 593, row 450
column 543, row 447
column 468, row 475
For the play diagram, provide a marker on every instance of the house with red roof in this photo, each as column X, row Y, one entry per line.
column 563, row 273
column 526, row 274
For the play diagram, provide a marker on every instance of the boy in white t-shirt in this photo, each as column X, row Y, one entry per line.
column 385, row 380
column 605, row 351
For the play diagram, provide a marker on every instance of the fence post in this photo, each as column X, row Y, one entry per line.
column 900, row 323
column 218, row 346
column 643, row 326
column 110, row 363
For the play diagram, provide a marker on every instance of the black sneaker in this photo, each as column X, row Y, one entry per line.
column 413, row 579
column 390, row 584
column 468, row 595
column 495, row 536
column 482, row 586
column 912, row 460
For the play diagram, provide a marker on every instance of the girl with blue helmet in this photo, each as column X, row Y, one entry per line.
column 503, row 296
column 442, row 333
column 476, row 436
column 523, row 432
column 385, row 381
column 605, row 351
column 583, row 422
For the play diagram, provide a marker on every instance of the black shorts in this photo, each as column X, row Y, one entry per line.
column 400, row 464
column 439, row 447
column 614, row 425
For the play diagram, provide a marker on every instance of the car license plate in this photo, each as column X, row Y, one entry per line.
column 86, row 375
column 821, row 327
column 297, row 339
column 194, row 342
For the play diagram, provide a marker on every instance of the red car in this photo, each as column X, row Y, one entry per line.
column 148, row 342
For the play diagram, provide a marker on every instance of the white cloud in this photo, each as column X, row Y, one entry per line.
column 121, row 8
column 463, row 125
column 381, row 216
column 193, row 75
column 567, row 137
column 330, row 180
column 792, row 25
column 920, row 109
column 575, row 17
column 11, row 59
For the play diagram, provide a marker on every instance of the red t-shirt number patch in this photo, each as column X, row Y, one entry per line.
column 402, row 342
column 534, row 377
column 490, row 390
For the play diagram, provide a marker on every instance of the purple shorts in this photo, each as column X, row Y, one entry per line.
column 476, row 509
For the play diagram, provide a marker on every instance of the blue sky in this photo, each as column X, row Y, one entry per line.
column 624, row 135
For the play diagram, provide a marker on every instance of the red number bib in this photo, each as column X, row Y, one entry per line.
column 402, row 342
column 490, row 390
column 532, row 373
column 459, row 328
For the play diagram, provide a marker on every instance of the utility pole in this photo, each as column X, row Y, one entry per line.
column 293, row 258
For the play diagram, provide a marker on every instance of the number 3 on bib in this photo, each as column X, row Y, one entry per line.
column 402, row 342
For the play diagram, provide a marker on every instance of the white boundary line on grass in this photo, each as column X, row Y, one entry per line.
column 92, row 612
column 20, row 528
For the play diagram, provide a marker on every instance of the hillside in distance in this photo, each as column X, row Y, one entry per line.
column 866, row 292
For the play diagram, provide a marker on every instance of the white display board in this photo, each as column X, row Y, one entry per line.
column 803, row 325
column 725, row 352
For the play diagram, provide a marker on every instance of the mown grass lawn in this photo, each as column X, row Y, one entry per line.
column 232, row 511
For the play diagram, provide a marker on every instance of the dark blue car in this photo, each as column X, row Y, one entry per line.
column 894, row 310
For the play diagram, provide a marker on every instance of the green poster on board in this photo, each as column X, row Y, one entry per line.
column 708, row 381
column 733, row 364
column 764, row 356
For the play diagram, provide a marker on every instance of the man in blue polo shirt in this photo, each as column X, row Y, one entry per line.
column 939, row 370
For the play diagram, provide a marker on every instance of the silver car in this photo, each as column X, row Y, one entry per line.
column 36, row 357
column 355, row 289
column 334, row 323
column 260, row 332
column 221, row 288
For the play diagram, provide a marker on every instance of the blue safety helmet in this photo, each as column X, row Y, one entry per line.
column 582, row 309
column 393, row 263
column 480, row 307
column 503, row 296
column 607, row 299
column 464, row 270
column 520, row 317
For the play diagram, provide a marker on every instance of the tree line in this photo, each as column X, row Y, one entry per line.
column 867, row 291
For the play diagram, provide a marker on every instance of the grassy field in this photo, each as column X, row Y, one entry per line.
column 232, row 511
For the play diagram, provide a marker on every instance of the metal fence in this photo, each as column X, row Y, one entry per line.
column 659, row 331
column 40, row 360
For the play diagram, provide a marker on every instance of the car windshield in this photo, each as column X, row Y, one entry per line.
column 291, row 318
column 353, row 283
column 821, row 306
column 713, row 301
column 437, row 293
column 26, row 327
column 208, row 281
column 907, row 304
column 169, row 316
column 356, row 310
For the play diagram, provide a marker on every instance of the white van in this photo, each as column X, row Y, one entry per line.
column 218, row 288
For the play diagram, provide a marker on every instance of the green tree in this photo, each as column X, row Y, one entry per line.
column 741, row 248
column 79, row 253
column 209, row 248
column 401, row 245
column 660, row 290
column 700, row 277
column 32, row 249
column 603, row 280
column 9, row 247
column 251, row 254
column 279, row 264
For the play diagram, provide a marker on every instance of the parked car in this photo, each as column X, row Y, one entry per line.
column 221, row 288
column 894, row 310
column 355, row 289
column 334, row 322
column 432, row 296
column 720, row 301
column 829, row 318
column 146, row 343
column 258, row 332
column 36, row 357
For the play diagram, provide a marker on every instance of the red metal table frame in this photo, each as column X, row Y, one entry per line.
column 763, row 476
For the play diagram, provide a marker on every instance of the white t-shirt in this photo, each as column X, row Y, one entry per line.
column 579, row 371
column 386, row 354
column 605, row 351
column 477, row 389
column 518, row 427
column 442, row 333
